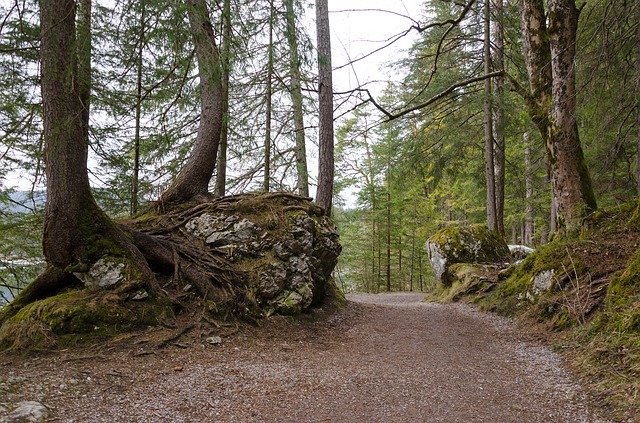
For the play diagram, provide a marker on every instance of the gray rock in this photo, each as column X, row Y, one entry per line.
column 204, row 225
column 27, row 412
column 543, row 281
column 272, row 280
column 520, row 251
column 104, row 273
column 214, row 340
column 140, row 295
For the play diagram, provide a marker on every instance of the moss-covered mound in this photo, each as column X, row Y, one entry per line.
column 464, row 244
column 250, row 255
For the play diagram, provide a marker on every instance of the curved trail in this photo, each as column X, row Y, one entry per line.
column 393, row 359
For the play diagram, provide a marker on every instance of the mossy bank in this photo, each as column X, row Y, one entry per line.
column 585, row 290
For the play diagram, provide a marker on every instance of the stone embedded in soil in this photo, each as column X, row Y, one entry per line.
column 27, row 412
column 103, row 273
column 543, row 281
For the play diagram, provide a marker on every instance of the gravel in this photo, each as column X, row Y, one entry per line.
column 386, row 358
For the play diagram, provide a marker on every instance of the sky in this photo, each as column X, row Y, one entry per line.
column 357, row 30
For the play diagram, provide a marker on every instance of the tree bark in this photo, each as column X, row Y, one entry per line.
column 296, row 99
column 528, row 213
column 637, row 5
column 324, row 195
column 194, row 177
column 490, row 182
column 572, row 183
column 498, row 114
column 68, row 193
column 268, row 98
column 537, row 54
column 84, row 62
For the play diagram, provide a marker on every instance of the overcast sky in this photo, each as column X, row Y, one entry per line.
column 356, row 32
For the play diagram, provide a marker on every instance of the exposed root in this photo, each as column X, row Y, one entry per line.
column 175, row 336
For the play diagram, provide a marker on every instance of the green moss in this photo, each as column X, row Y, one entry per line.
column 76, row 315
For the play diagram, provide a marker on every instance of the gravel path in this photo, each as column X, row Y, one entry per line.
column 388, row 358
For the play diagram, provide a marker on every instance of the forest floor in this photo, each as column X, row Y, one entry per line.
column 384, row 358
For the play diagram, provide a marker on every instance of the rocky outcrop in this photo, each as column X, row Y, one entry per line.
column 464, row 244
column 287, row 253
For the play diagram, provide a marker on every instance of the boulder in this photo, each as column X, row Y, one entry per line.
column 464, row 244
column 287, row 250
column 26, row 412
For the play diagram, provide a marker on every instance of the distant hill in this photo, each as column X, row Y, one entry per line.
column 21, row 201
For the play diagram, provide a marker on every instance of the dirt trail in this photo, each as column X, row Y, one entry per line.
column 389, row 358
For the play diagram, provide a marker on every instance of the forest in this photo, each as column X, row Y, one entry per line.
column 182, row 164
column 406, row 163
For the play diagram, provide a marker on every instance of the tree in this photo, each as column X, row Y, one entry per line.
column 76, row 231
column 572, row 184
column 135, row 179
column 324, row 195
column 194, row 176
column 549, row 55
column 489, row 166
column 221, row 165
column 269, row 102
column 296, row 98
column 499, row 113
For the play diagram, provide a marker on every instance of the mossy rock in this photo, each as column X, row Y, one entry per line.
column 464, row 244
column 78, row 317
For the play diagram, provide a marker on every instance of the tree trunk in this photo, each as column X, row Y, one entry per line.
column 637, row 4
column 76, row 231
column 68, row 193
column 195, row 175
column 268, row 97
column 571, row 180
column 324, row 195
column 537, row 55
column 221, row 163
column 388, row 264
column 528, row 213
column 488, row 127
column 498, row 115
column 136, row 139
column 296, row 99
column 84, row 62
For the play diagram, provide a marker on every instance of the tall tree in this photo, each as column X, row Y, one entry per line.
column 324, row 195
column 135, row 179
column 572, row 184
column 268, row 102
column 194, row 176
column 75, row 229
column 296, row 99
column 221, row 165
column 549, row 56
column 499, row 113
column 490, row 180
